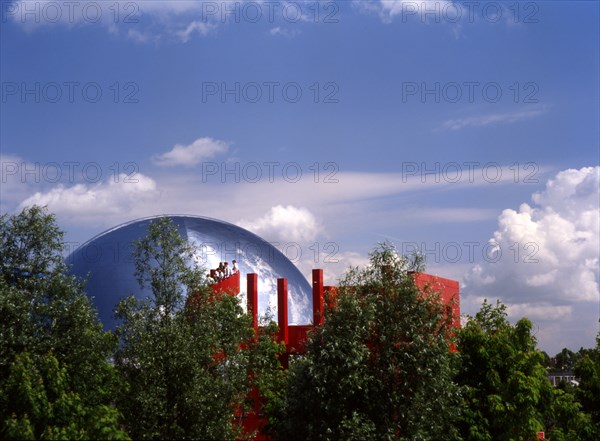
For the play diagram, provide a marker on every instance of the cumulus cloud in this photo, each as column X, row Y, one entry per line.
column 83, row 202
column 192, row 154
column 545, row 257
column 285, row 223
column 300, row 237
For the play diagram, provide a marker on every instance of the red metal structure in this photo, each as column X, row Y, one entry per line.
column 295, row 336
column 229, row 285
column 448, row 289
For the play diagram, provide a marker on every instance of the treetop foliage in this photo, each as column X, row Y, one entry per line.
column 47, row 321
column 187, row 369
column 31, row 245
column 380, row 366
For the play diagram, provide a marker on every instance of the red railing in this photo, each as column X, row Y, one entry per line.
column 229, row 285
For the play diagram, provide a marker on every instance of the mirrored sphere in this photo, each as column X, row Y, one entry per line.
column 106, row 260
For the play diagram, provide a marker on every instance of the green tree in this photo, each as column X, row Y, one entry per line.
column 45, row 311
column 186, row 366
column 565, row 420
column 31, row 244
column 45, row 406
column 587, row 370
column 380, row 367
column 570, row 415
column 506, row 389
column 564, row 361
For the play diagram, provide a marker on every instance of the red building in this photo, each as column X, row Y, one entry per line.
column 295, row 336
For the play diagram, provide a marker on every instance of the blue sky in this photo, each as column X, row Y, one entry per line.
column 331, row 125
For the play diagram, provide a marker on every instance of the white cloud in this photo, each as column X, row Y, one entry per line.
column 141, row 21
column 192, row 154
column 571, row 193
column 411, row 7
column 284, row 32
column 139, row 37
column 352, row 188
column 424, row 10
column 221, row 194
column 285, row 223
column 196, row 27
column 450, row 12
column 549, row 251
column 13, row 180
column 476, row 277
column 105, row 201
column 539, row 311
column 496, row 118
column 155, row 20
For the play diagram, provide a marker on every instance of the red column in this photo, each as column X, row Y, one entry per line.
column 252, row 293
column 282, row 310
column 317, row 291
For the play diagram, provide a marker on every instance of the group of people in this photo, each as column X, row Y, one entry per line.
column 222, row 272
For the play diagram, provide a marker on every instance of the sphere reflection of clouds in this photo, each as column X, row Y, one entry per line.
column 106, row 261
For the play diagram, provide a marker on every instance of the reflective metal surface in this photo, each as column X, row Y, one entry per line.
column 106, row 260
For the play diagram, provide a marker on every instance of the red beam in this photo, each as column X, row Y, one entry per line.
column 317, row 292
column 282, row 318
column 252, row 290
column 282, row 310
